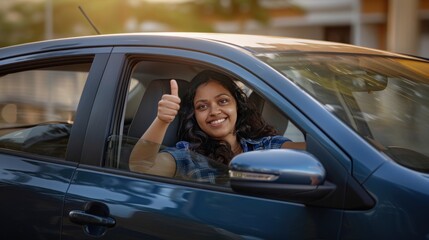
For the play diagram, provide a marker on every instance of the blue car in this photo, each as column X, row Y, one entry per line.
column 71, row 111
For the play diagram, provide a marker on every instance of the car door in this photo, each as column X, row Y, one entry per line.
column 108, row 201
column 44, row 99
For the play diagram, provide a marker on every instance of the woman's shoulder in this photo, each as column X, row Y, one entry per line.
column 266, row 139
column 183, row 145
column 179, row 150
column 267, row 142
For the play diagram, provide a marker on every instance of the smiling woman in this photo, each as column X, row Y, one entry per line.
column 216, row 112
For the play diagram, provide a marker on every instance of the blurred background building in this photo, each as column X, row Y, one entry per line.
column 394, row 25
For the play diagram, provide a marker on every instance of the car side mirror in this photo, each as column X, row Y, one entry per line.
column 281, row 174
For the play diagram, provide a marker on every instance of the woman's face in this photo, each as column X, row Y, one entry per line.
column 216, row 111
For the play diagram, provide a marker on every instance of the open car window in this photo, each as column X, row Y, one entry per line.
column 146, row 86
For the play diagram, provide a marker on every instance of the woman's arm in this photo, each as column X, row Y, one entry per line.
column 144, row 156
column 294, row 145
column 146, row 159
column 168, row 107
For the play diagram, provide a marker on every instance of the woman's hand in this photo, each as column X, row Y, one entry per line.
column 169, row 105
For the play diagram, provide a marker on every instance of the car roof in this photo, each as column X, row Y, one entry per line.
column 251, row 44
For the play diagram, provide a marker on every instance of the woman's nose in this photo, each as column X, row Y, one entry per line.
column 215, row 109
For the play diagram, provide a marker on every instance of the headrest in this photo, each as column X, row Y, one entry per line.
column 269, row 112
column 148, row 109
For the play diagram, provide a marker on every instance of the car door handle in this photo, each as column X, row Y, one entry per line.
column 84, row 218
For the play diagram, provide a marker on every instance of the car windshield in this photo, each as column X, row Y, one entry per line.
column 384, row 99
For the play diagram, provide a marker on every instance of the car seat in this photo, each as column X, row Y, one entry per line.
column 148, row 109
column 145, row 114
column 269, row 112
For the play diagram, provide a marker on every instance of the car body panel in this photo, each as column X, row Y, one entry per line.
column 175, row 211
column 400, row 194
column 32, row 195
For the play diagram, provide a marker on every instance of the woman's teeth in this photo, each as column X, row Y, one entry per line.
column 217, row 121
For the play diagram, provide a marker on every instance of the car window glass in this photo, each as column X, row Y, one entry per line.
column 385, row 100
column 148, row 84
column 38, row 106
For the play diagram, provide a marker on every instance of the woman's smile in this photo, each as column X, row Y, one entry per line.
column 217, row 122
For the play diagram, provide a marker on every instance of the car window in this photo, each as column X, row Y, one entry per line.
column 385, row 100
column 147, row 85
column 38, row 107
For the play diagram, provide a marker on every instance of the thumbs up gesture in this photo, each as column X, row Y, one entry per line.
column 169, row 105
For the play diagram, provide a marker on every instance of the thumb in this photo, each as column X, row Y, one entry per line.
column 174, row 87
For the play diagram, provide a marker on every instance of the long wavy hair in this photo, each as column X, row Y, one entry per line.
column 249, row 123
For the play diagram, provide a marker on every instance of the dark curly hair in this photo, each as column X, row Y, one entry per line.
column 249, row 123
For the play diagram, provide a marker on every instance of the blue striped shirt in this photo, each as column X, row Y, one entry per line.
column 196, row 167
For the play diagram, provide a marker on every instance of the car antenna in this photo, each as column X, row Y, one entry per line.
column 89, row 20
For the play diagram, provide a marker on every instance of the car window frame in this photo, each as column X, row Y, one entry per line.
column 161, row 54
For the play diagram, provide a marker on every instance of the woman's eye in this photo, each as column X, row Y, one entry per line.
column 223, row 101
column 201, row 107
